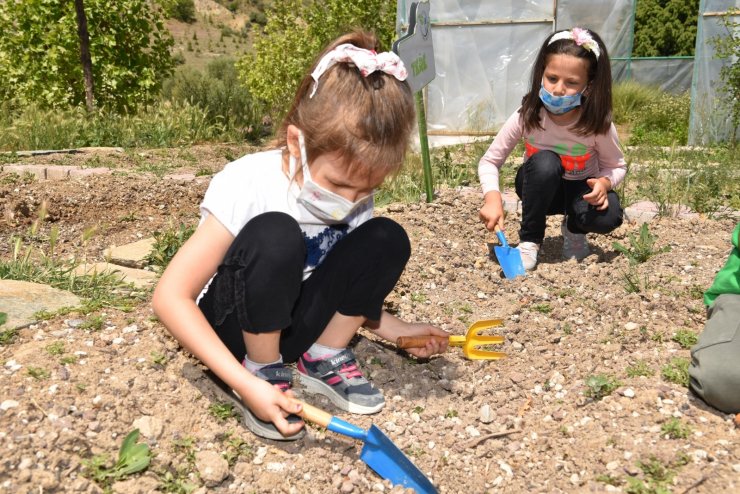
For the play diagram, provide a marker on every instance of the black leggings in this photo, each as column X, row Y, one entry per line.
column 258, row 287
column 543, row 192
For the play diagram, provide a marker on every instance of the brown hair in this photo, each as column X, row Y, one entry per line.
column 596, row 102
column 367, row 120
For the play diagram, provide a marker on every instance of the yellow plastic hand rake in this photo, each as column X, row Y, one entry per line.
column 470, row 343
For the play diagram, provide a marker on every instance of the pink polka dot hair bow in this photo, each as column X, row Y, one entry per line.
column 581, row 37
column 366, row 61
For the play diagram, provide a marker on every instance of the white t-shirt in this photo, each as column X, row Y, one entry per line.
column 256, row 184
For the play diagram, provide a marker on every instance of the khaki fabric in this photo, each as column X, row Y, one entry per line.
column 715, row 359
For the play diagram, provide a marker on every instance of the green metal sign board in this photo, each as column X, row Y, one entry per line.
column 416, row 48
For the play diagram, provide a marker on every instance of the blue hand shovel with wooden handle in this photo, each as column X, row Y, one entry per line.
column 378, row 452
column 509, row 258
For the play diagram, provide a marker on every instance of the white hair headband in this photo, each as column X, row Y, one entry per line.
column 581, row 37
column 367, row 62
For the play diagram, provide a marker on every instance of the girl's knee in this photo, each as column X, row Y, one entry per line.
column 544, row 162
column 272, row 235
column 388, row 236
column 591, row 220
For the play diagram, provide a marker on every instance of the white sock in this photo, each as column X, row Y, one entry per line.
column 255, row 366
column 321, row 352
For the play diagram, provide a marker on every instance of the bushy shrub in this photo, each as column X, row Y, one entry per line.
column 182, row 10
column 218, row 92
column 295, row 32
column 663, row 122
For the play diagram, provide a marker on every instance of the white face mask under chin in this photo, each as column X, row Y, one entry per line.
column 323, row 204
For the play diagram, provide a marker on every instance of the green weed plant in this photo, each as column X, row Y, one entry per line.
column 641, row 247
column 677, row 371
column 600, row 385
column 167, row 243
column 133, row 457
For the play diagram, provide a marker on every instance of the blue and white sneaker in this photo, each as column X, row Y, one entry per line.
column 339, row 379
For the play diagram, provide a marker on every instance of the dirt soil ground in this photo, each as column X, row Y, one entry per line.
column 564, row 322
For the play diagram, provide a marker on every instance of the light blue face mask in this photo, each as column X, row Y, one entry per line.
column 559, row 104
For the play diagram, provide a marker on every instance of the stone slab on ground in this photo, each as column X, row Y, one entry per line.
column 131, row 255
column 140, row 278
column 20, row 300
column 644, row 211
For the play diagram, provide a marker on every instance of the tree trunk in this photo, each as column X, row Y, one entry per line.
column 85, row 53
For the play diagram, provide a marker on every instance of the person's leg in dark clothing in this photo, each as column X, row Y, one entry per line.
column 258, row 282
column 354, row 279
column 585, row 218
column 538, row 185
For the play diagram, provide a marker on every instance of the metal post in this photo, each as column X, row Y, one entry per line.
column 421, row 119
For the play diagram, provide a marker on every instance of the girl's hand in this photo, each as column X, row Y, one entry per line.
column 271, row 405
column 492, row 212
column 432, row 347
column 597, row 197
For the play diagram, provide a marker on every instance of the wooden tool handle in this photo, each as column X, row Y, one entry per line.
column 313, row 414
column 418, row 341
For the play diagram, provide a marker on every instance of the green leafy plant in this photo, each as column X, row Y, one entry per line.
column 542, row 308
column 222, row 411
column 677, row 371
column 3, row 318
column 295, row 32
column 665, row 28
column 93, row 323
column 642, row 247
column 686, row 338
column 38, row 372
column 675, row 429
column 133, row 457
column 600, row 385
column 39, row 53
column 728, row 48
column 236, row 448
column 167, row 243
column 56, row 348
column 640, row 368
column 159, row 358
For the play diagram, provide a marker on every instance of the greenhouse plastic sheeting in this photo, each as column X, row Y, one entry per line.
column 710, row 113
column 671, row 74
column 484, row 51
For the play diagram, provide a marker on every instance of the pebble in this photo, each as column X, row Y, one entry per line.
column 486, row 414
column 628, row 392
column 8, row 404
column 631, row 326
column 506, row 468
column 12, row 365
column 347, row 486
column 472, row 431
column 150, row 427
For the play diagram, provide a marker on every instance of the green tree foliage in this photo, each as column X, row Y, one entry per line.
column 182, row 10
column 296, row 31
column 665, row 27
column 40, row 52
column 728, row 49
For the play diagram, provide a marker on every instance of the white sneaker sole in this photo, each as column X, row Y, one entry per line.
column 317, row 386
column 258, row 428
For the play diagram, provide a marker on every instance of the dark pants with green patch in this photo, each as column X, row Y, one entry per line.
column 715, row 359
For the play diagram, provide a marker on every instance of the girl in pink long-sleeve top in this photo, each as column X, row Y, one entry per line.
column 573, row 159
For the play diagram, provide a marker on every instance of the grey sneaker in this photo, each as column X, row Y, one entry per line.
column 575, row 245
column 529, row 251
column 339, row 379
column 281, row 377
